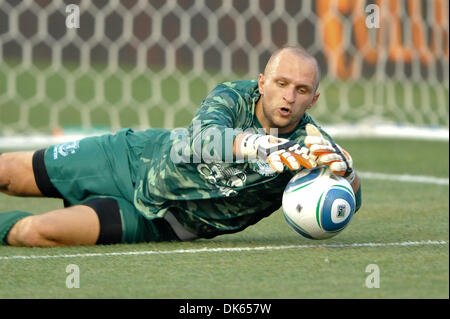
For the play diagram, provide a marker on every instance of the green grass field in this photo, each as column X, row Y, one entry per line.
column 407, row 220
column 402, row 227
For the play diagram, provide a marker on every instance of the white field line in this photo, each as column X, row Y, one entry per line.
column 405, row 178
column 229, row 249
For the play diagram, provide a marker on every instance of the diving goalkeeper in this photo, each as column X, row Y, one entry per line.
column 223, row 173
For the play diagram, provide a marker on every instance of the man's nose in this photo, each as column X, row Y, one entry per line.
column 289, row 95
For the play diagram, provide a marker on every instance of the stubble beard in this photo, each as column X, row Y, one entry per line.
column 275, row 122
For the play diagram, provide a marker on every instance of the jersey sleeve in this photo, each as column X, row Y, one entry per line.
column 213, row 128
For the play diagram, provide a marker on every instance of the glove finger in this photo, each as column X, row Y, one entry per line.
column 299, row 151
column 275, row 162
column 290, row 161
column 310, row 140
column 294, row 148
column 338, row 168
column 327, row 159
column 349, row 163
column 312, row 130
column 318, row 149
column 305, row 160
column 304, row 157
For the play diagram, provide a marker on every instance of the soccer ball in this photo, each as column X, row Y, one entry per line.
column 318, row 204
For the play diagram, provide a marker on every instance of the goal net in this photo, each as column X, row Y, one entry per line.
column 97, row 66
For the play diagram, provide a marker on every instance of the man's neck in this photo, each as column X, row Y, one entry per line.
column 265, row 125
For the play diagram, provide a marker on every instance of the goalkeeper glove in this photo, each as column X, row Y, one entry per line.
column 276, row 151
column 329, row 154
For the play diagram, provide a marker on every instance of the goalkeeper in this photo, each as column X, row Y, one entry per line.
column 223, row 173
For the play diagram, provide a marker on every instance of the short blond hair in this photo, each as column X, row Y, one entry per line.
column 299, row 52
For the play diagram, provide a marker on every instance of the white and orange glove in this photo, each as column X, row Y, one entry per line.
column 276, row 151
column 329, row 154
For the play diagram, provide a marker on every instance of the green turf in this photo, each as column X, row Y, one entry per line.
column 392, row 212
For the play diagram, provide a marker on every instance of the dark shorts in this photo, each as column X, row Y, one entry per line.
column 99, row 172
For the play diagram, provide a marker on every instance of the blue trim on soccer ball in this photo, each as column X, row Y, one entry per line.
column 330, row 197
column 297, row 228
column 312, row 175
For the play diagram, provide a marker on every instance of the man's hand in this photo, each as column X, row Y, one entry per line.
column 329, row 153
column 276, row 151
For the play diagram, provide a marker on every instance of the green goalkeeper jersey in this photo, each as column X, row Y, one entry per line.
column 192, row 172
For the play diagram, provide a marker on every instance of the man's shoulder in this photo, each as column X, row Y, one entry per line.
column 236, row 95
column 243, row 87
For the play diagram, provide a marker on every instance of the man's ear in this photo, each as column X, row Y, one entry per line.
column 261, row 80
column 314, row 100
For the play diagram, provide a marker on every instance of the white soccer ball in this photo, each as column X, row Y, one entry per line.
column 318, row 204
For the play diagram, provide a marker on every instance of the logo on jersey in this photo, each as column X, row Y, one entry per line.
column 224, row 178
column 65, row 149
column 262, row 167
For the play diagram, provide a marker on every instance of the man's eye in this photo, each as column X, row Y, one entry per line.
column 281, row 83
column 302, row 90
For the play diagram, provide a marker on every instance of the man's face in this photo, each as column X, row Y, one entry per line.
column 287, row 90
